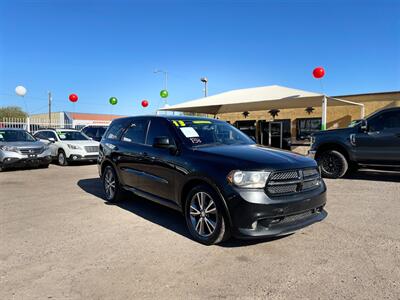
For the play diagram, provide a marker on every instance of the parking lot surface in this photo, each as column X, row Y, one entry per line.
column 61, row 240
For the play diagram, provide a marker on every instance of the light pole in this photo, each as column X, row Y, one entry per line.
column 204, row 80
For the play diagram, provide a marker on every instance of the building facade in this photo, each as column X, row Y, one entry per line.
column 294, row 126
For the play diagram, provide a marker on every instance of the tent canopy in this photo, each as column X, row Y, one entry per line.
column 252, row 99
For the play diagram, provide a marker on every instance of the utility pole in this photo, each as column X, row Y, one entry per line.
column 50, row 99
column 204, row 80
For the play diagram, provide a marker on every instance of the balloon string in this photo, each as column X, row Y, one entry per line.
column 26, row 106
column 321, row 86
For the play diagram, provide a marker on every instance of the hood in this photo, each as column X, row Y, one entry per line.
column 334, row 131
column 256, row 157
column 22, row 145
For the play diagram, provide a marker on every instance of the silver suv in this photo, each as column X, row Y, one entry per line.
column 18, row 148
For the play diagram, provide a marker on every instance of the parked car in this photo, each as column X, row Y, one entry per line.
column 69, row 145
column 95, row 132
column 214, row 174
column 19, row 148
column 373, row 142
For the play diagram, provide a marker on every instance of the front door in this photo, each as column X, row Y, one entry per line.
column 380, row 144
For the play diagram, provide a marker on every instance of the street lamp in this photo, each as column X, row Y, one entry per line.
column 204, row 80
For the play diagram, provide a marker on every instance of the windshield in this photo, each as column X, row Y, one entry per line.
column 15, row 136
column 72, row 136
column 210, row 133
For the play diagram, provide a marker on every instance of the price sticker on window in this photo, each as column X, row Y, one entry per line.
column 189, row 132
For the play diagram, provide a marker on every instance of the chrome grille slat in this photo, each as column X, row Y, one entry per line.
column 282, row 183
column 31, row 150
column 91, row 149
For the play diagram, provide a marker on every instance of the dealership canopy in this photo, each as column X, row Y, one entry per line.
column 254, row 99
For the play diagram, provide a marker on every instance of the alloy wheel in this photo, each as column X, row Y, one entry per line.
column 203, row 214
column 61, row 158
column 109, row 184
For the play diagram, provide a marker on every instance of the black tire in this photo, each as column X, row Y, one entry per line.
column 214, row 226
column 62, row 158
column 116, row 193
column 333, row 164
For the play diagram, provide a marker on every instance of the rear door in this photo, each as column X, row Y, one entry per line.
column 381, row 143
column 131, row 152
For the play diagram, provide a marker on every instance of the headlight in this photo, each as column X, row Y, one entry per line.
column 73, row 147
column 248, row 179
column 9, row 148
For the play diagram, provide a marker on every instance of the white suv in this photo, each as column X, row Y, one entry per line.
column 68, row 145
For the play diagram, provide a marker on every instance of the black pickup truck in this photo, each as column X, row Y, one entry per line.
column 374, row 142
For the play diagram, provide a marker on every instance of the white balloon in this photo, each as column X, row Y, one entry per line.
column 20, row 90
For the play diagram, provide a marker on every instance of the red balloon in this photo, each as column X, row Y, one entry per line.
column 145, row 103
column 318, row 72
column 73, row 97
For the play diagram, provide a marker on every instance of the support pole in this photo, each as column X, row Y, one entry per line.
column 49, row 108
column 324, row 111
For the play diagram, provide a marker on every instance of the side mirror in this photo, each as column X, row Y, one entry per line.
column 52, row 140
column 364, row 125
column 163, row 143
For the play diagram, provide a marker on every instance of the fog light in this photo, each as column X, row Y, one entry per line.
column 254, row 225
column 74, row 158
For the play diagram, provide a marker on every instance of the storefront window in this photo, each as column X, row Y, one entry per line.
column 305, row 127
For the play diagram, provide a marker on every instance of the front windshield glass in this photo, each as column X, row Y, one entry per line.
column 72, row 136
column 15, row 136
column 210, row 133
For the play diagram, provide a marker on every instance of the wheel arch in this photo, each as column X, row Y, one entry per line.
column 193, row 182
column 333, row 146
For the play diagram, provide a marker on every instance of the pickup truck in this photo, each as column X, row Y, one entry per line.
column 372, row 142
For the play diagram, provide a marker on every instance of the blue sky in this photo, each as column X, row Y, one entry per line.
column 99, row 49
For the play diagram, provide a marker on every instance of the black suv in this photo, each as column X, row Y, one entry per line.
column 374, row 142
column 214, row 174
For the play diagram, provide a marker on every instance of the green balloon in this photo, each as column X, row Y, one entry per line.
column 164, row 94
column 113, row 100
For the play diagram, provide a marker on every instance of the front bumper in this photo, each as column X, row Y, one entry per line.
column 25, row 161
column 83, row 157
column 254, row 214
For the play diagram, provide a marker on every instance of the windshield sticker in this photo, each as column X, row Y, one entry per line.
column 179, row 123
column 195, row 140
column 202, row 122
column 189, row 132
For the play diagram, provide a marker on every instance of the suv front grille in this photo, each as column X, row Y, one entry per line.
column 91, row 149
column 27, row 151
column 282, row 183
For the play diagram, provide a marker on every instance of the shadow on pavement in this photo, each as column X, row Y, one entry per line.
column 157, row 214
column 374, row 175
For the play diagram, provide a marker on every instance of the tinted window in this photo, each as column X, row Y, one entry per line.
column 136, row 132
column 90, row 131
column 158, row 128
column 41, row 135
column 388, row 120
column 115, row 130
column 71, row 136
column 15, row 136
column 305, row 127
